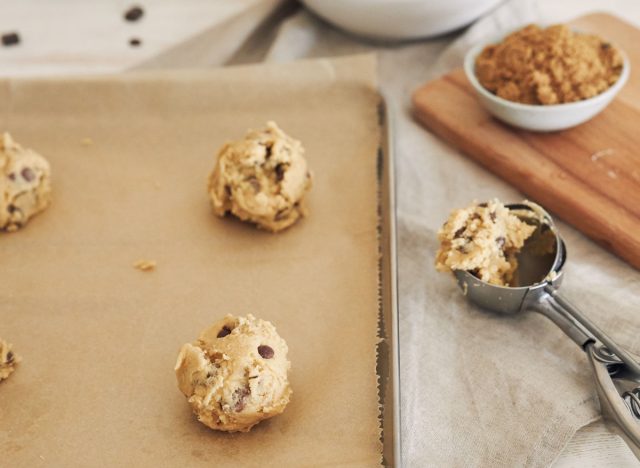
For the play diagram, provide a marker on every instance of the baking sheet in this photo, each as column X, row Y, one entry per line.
column 99, row 339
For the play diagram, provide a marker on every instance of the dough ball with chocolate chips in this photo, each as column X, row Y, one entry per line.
column 8, row 360
column 25, row 185
column 235, row 374
column 262, row 179
column 483, row 239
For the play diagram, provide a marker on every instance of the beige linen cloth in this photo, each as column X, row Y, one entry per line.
column 477, row 390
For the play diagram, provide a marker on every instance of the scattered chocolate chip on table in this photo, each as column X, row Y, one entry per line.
column 134, row 14
column 10, row 39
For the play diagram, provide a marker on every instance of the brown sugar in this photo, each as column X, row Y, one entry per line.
column 553, row 65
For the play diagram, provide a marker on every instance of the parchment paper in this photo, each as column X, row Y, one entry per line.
column 99, row 338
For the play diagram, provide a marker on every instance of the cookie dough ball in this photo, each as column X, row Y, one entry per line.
column 235, row 374
column 262, row 179
column 24, row 184
column 483, row 239
column 8, row 360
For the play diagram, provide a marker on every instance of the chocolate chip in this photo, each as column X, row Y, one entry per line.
column 27, row 174
column 227, row 191
column 10, row 357
column 279, row 172
column 134, row 13
column 224, row 332
column 12, row 208
column 500, row 241
column 268, row 151
column 492, row 215
column 459, row 233
column 12, row 176
column 265, row 351
column 253, row 181
column 483, row 205
column 475, row 216
column 240, row 395
column 10, row 39
column 134, row 42
column 605, row 46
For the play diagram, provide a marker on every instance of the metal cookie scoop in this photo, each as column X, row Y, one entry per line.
column 537, row 279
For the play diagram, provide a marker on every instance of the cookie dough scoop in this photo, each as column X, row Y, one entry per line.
column 535, row 287
column 262, row 179
column 25, row 187
column 235, row 374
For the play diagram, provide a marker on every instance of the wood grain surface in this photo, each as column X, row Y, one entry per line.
column 589, row 175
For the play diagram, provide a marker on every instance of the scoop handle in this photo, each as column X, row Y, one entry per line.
column 573, row 314
column 546, row 305
column 612, row 405
column 602, row 352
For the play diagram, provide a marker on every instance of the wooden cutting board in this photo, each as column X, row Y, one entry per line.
column 589, row 175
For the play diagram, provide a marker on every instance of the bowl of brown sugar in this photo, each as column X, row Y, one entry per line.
column 546, row 79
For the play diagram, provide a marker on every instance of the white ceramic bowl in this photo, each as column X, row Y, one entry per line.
column 400, row 19
column 541, row 118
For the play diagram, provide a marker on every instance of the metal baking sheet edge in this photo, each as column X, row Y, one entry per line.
column 388, row 357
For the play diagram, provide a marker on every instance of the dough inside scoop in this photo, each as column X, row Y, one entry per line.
column 484, row 239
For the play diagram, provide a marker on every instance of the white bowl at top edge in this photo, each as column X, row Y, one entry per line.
column 538, row 117
column 400, row 19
